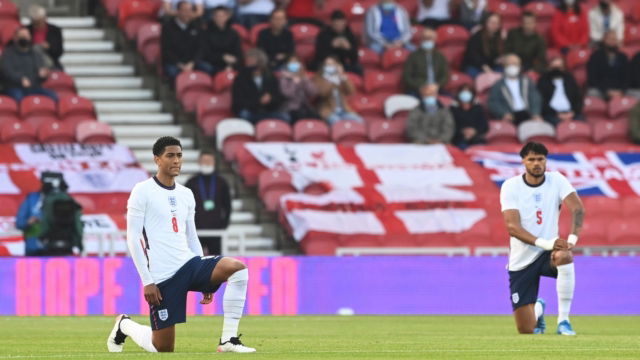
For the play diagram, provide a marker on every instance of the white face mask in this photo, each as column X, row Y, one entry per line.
column 206, row 169
column 512, row 71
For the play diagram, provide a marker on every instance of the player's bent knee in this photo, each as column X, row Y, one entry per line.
column 236, row 265
column 163, row 347
column 562, row 257
column 526, row 329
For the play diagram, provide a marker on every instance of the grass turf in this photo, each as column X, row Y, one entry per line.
column 333, row 337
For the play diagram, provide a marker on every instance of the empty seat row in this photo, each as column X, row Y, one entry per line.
column 86, row 132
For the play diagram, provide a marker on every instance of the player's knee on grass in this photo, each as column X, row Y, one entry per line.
column 562, row 257
column 164, row 347
column 526, row 329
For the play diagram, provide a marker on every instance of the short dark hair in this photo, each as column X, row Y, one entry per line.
column 338, row 15
column 182, row 2
column 528, row 14
column 533, row 147
column 163, row 142
column 220, row 8
column 206, row 152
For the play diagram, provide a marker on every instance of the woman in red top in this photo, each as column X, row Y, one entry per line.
column 569, row 27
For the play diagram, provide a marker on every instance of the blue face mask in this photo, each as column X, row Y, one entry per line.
column 388, row 6
column 330, row 69
column 428, row 45
column 430, row 100
column 465, row 96
column 293, row 67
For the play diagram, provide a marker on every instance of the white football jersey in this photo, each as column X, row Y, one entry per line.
column 539, row 208
column 165, row 211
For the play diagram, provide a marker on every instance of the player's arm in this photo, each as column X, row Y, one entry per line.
column 574, row 204
column 515, row 229
column 192, row 235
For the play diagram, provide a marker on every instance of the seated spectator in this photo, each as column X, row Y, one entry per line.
column 211, row 5
column 251, row 12
column 337, row 40
column 255, row 93
column 514, row 98
column 24, row 68
column 433, row 13
column 45, row 35
column 634, row 123
column 430, row 122
column 179, row 42
column 604, row 18
column 426, row 65
column 635, row 73
column 303, row 11
column 470, row 119
column 170, row 8
column 298, row 90
column 525, row 42
column 561, row 96
column 276, row 40
column 485, row 48
column 220, row 45
column 569, row 26
column 387, row 26
column 333, row 87
column 471, row 13
column 608, row 69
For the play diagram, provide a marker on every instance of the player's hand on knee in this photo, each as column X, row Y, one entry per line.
column 560, row 244
column 207, row 298
column 152, row 294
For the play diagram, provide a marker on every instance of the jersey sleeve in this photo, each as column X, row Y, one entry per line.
column 508, row 198
column 136, row 207
column 564, row 187
column 192, row 236
column 137, row 204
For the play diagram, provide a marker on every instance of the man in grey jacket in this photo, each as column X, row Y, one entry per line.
column 24, row 68
column 515, row 97
column 430, row 122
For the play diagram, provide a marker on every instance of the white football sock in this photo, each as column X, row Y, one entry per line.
column 140, row 334
column 233, row 303
column 538, row 310
column 564, row 286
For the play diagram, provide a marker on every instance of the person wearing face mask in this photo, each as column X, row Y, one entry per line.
column 426, row 65
column 525, row 42
column 430, row 122
column 514, row 98
column 338, row 40
column 608, row 71
column 561, row 95
column 333, row 87
column 470, row 119
column 213, row 201
column 569, row 26
column 387, row 26
column 605, row 17
column 220, row 45
column 298, row 90
column 24, row 68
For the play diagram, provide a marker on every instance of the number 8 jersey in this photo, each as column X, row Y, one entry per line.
column 539, row 208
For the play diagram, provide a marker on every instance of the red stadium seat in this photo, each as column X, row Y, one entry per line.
column 632, row 34
column 7, row 30
column 456, row 80
column 273, row 130
column 255, row 32
column 37, row 105
column 231, row 135
column 133, row 14
column 306, row 52
column 75, row 109
column 86, row 202
column 349, row 133
column 356, row 80
column 148, row 42
column 368, row 105
column 249, row 167
column 485, row 81
column 544, row 11
column 378, row 81
column 39, row 120
column 304, row 33
column 595, row 107
column 454, row 55
column 57, row 132
column 270, row 180
column 209, row 123
column 8, row 106
column 192, row 85
column 610, row 132
column 573, row 132
column 271, row 199
column 219, row 104
column 8, row 10
column 602, row 207
column 243, row 33
column 631, row 207
column 455, row 35
column 93, row 132
column 60, row 82
column 223, row 80
column 502, row 132
column 387, row 132
column 624, row 232
column 311, row 130
column 577, row 59
column 619, row 107
column 368, row 58
column 416, row 34
column 511, row 14
column 394, row 59
column 18, row 132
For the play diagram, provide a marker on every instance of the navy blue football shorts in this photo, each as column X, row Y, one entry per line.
column 524, row 283
column 195, row 275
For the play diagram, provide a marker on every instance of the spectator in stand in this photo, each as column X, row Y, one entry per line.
column 569, row 26
column 46, row 36
column 333, row 87
column 276, row 40
column 251, row 12
column 387, row 26
column 298, row 90
column 303, row 11
column 213, row 202
column 433, row 13
column 608, row 69
column 634, row 123
column 471, row 13
column 337, row 40
column 426, row 65
column 255, row 93
column 430, row 122
column 210, row 6
column 171, row 8
column 24, row 67
column 603, row 18
column 485, row 48
column 635, row 75
column 525, row 42
column 470, row 119
column 179, row 42
column 514, row 98
column 220, row 45
column 561, row 96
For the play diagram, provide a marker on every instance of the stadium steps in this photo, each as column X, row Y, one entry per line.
column 108, row 83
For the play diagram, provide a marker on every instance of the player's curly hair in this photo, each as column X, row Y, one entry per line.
column 162, row 143
column 533, row 147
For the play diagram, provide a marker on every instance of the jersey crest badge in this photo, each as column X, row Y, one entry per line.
column 514, row 297
column 172, row 201
column 163, row 314
column 537, row 197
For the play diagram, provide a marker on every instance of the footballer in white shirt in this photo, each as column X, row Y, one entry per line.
column 162, row 239
column 531, row 208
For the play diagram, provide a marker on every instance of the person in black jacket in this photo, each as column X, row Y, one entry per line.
column 213, row 201
column 485, row 48
column 561, row 96
column 337, row 40
column 635, row 71
column 608, row 69
column 179, row 42
column 45, row 35
column 277, row 40
column 220, row 46
column 255, row 93
column 469, row 116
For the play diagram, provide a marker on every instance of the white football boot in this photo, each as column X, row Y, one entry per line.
column 115, row 341
column 235, row 345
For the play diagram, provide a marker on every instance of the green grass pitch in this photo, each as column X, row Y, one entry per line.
column 333, row 337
